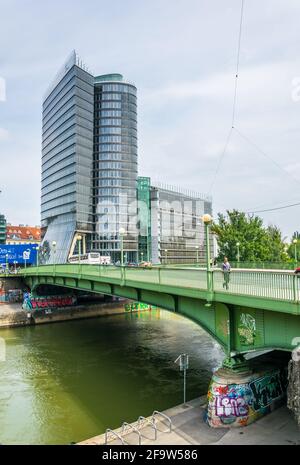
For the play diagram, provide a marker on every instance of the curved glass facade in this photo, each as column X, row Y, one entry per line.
column 115, row 166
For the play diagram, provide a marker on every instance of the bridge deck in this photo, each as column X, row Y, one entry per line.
column 263, row 305
column 276, row 285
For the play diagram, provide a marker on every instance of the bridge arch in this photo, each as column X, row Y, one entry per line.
column 239, row 323
column 213, row 319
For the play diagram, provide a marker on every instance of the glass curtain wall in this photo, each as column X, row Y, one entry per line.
column 67, row 160
column 115, row 168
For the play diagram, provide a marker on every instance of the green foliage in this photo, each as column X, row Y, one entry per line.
column 291, row 248
column 257, row 243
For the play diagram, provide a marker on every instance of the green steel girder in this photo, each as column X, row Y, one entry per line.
column 213, row 319
column 258, row 302
column 224, row 297
column 240, row 323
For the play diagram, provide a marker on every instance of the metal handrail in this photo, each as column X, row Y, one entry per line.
column 108, row 430
column 282, row 285
column 255, row 270
column 134, row 429
column 151, row 422
column 156, row 412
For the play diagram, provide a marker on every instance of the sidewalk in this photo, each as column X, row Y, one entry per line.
column 189, row 428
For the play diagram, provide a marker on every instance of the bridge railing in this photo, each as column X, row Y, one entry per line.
column 279, row 285
column 260, row 283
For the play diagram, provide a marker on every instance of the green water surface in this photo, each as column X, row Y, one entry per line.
column 66, row 382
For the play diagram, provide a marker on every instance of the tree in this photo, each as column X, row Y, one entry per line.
column 277, row 246
column 291, row 247
column 256, row 242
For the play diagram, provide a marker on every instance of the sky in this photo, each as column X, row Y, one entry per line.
column 182, row 55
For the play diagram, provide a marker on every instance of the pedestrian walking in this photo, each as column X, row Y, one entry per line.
column 226, row 272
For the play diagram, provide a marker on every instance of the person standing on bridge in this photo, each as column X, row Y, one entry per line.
column 226, row 272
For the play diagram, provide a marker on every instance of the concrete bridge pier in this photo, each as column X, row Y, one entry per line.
column 293, row 390
column 242, row 391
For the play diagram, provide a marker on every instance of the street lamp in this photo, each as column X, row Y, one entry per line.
column 142, row 256
column 79, row 238
column 238, row 254
column 122, row 232
column 295, row 241
column 197, row 252
column 6, row 263
column 37, row 255
column 166, row 252
column 183, row 362
column 15, row 263
column 207, row 220
column 54, row 251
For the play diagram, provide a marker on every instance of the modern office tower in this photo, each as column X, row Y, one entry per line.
column 115, row 167
column 2, row 229
column 92, row 198
column 67, row 161
column 173, row 232
column 89, row 165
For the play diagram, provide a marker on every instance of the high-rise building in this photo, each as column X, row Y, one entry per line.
column 115, row 166
column 67, row 160
column 89, row 164
column 92, row 198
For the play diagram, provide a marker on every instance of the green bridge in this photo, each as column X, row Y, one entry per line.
column 260, row 310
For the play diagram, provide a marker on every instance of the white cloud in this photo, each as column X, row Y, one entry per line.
column 4, row 134
column 182, row 57
column 265, row 83
column 294, row 170
column 2, row 89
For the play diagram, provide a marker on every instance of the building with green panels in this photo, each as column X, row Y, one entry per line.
column 170, row 227
column 2, row 229
column 144, row 218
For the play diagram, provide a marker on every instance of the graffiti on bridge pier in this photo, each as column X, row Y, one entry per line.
column 267, row 389
column 240, row 404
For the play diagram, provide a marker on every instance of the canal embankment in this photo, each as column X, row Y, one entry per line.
column 12, row 314
column 189, row 427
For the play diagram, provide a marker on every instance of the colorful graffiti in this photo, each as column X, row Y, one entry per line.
column 229, row 402
column 247, row 329
column 240, row 404
column 267, row 389
column 228, row 407
column 137, row 306
column 37, row 303
column 12, row 295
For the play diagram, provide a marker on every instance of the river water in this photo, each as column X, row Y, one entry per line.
column 66, row 382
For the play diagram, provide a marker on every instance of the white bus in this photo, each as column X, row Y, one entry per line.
column 92, row 258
